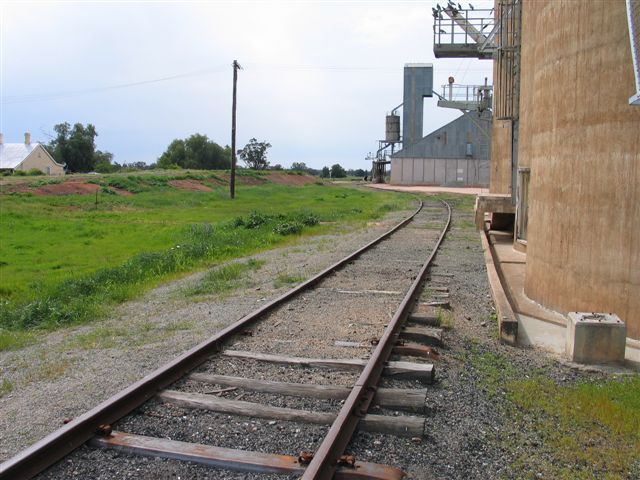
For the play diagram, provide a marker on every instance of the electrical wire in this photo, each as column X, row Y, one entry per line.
column 30, row 98
column 61, row 95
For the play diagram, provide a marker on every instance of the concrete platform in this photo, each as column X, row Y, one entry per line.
column 536, row 325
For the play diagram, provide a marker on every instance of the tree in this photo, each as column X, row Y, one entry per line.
column 358, row 172
column 325, row 172
column 254, row 154
column 76, row 147
column 103, row 162
column 197, row 152
column 337, row 171
column 301, row 166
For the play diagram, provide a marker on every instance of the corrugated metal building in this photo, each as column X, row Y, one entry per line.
column 456, row 154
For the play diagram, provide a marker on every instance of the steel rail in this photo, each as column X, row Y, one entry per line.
column 324, row 463
column 61, row 442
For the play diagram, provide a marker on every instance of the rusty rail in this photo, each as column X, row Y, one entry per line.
column 325, row 460
column 61, row 442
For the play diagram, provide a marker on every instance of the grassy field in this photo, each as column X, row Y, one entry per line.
column 64, row 259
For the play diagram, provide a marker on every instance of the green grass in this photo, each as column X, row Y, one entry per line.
column 287, row 279
column 465, row 224
column 224, row 279
column 65, row 260
column 493, row 369
column 445, row 318
column 591, row 430
column 104, row 337
column 6, row 387
column 586, row 430
column 462, row 203
column 12, row 340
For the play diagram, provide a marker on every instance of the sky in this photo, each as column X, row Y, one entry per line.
column 318, row 77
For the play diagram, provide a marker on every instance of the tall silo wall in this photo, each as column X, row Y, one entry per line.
column 581, row 139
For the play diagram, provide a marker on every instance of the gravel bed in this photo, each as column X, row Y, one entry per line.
column 279, row 373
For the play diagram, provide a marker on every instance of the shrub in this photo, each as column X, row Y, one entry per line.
column 254, row 220
column 131, row 183
column 308, row 219
column 288, row 228
column 44, row 181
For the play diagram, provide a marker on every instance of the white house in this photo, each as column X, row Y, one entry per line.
column 27, row 156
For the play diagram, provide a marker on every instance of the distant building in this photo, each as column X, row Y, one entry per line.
column 27, row 156
column 456, row 154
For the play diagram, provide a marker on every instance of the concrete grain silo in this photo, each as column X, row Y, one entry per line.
column 565, row 159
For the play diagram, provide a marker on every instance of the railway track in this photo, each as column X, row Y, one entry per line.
column 298, row 375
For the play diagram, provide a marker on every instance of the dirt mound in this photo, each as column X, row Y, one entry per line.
column 121, row 191
column 280, row 178
column 249, row 180
column 81, row 187
column 65, row 188
column 190, row 185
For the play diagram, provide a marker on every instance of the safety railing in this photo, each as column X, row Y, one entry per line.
column 460, row 32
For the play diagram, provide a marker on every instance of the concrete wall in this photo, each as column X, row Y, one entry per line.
column 440, row 171
column 39, row 159
column 501, row 157
column 500, row 139
column 581, row 139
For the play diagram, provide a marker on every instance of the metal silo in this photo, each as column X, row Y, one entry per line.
column 392, row 129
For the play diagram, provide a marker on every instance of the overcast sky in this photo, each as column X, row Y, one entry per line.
column 318, row 76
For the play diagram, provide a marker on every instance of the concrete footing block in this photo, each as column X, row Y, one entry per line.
column 595, row 338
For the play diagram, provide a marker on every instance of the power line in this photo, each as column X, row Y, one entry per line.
column 30, row 98
column 60, row 95
column 337, row 68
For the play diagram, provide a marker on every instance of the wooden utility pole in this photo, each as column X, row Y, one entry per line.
column 232, row 179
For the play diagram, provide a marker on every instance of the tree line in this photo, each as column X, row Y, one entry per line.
column 75, row 146
column 334, row 171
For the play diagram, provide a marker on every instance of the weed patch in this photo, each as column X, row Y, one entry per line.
column 6, row 387
column 590, row 430
column 287, row 279
column 224, row 279
column 492, row 369
column 445, row 318
column 586, row 430
column 465, row 224
column 464, row 203
column 12, row 340
column 288, row 228
column 44, row 181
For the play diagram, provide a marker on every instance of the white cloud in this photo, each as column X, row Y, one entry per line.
column 319, row 76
